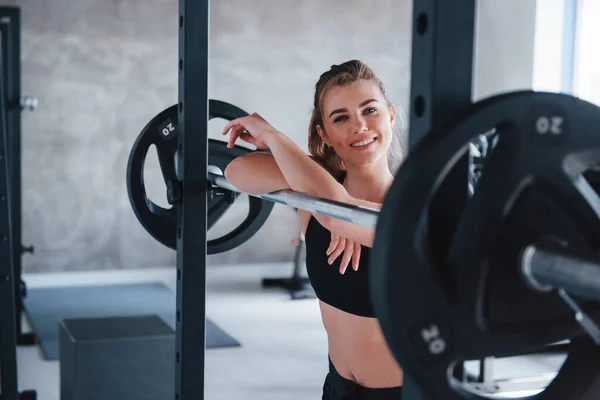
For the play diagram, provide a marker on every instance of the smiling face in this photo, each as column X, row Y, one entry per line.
column 357, row 122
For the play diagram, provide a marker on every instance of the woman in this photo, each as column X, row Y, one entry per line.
column 350, row 135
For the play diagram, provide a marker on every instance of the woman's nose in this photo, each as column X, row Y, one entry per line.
column 360, row 126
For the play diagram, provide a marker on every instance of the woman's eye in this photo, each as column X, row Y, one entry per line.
column 340, row 118
column 370, row 110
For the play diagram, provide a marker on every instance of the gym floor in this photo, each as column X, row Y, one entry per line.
column 284, row 348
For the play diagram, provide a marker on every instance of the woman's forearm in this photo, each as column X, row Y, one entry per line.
column 306, row 176
column 300, row 171
column 256, row 173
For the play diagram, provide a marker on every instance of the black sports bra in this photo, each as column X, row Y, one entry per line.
column 348, row 292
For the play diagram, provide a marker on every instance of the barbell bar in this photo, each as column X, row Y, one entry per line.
column 346, row 212
column 546, row 270
column 543, row 269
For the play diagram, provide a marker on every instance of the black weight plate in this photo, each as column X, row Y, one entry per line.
column 161, row 222
column 435, row 309
column 258, row 209
column 161, row 131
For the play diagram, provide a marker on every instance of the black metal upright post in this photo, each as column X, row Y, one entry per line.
column 442, row 63
column 10, row 26
column 194, row 18
column 443, row 40
column 8, row 333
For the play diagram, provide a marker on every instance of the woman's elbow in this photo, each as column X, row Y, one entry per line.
column 237, row 174
column 231, row 171
column 255, row 174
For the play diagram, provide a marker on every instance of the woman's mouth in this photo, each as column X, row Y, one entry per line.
column 363, row 144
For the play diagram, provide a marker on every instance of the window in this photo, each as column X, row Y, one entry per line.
column 557, row 37
column 586, row 71
column 549, row 32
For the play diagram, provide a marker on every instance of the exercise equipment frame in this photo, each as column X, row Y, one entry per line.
column 10, row 32
column 194, row 41
column 441, row 86
column 8, row 339
column 12, row 288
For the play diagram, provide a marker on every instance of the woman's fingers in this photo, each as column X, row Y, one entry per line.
column 231, row 124
column 248, row 138
column 350, row 249
column 338, row 250
column 248, row 128
column 335, row 239
column 356, row 256
column 236, row 132
column 347, row 257
column 235, row 128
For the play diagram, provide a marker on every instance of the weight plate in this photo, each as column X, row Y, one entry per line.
column 161, row 222
column 471, row 299
column 258, row 209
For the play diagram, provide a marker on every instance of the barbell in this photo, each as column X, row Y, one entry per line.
column 517, row 272
column 161, row 222
column 473, row 299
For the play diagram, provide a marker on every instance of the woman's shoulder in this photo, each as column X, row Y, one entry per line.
column 338, row 177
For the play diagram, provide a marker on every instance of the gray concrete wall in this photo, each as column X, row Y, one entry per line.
column 102, row 68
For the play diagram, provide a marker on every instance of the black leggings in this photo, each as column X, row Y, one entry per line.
column 337, row 387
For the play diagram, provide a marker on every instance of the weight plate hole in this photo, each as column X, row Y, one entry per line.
column 156, row 190
column 419, row 106
column 422, row 23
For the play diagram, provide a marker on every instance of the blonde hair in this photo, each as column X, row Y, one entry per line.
column 341, row 75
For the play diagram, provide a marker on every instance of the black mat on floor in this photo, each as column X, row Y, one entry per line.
column 45, row 307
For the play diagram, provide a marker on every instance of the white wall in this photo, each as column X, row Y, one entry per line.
column 587, row 58
column 505, row 46
column 549, row 25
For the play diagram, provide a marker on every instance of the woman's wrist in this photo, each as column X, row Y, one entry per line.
column 271, row 137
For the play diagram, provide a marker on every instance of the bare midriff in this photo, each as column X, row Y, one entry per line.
column 358, row 350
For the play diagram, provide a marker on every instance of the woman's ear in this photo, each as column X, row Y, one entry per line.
column 392, row 114
column 322, row 135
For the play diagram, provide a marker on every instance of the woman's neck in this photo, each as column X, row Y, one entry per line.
column 370, row 182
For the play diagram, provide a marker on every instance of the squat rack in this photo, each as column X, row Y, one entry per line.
column 441, row 86
column 12, row 288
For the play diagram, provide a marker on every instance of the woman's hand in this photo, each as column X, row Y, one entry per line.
column 350, row 249
column 252, row 129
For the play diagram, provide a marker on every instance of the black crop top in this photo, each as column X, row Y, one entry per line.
column 348, row 292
